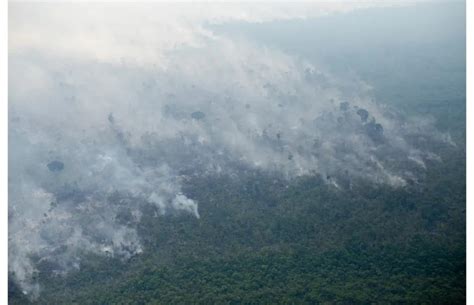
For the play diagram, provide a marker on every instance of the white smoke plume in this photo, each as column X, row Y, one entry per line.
column 109, row 114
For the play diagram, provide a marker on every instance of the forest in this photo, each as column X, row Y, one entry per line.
column 363, row 202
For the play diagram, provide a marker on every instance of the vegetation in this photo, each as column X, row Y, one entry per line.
column 261, row 240
column 265, row 240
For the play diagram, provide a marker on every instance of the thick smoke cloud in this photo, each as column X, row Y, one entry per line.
column 91, row 141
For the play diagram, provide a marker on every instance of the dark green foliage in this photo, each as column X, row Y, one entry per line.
column 15, row 295
column 198, row 115
column 262, row 240
column 55, row 166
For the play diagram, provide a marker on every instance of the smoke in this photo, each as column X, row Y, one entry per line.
column 98, row 130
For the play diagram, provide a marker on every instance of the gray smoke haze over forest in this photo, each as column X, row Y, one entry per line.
column 113, row 108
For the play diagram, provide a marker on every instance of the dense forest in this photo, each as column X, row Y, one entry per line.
column 262, row 238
